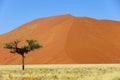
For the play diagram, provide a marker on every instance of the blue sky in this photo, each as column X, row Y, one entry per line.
column 14, row 13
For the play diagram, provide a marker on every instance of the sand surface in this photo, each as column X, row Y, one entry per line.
column 66, row 39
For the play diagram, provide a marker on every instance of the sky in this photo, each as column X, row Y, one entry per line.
column 14, row 13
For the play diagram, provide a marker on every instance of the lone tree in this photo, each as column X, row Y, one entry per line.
column 13, row 46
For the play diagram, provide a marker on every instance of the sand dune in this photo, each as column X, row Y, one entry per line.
column 66, row 39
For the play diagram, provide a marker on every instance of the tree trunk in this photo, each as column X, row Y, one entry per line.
column 22, row 61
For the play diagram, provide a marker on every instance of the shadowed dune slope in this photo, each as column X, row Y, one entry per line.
column 66, row 39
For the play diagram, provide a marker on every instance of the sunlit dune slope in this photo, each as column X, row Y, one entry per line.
column 66, row 39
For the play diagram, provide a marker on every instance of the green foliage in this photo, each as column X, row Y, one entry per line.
column 8, row 46
column 32, row 44
column 11, row 45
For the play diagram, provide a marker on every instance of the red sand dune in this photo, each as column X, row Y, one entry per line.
column 66, row 39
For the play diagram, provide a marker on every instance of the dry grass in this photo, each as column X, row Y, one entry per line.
column 61, row 72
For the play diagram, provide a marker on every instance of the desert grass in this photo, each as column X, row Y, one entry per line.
column 61, row 72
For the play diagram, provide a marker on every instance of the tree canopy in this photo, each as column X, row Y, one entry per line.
column 31, row 45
